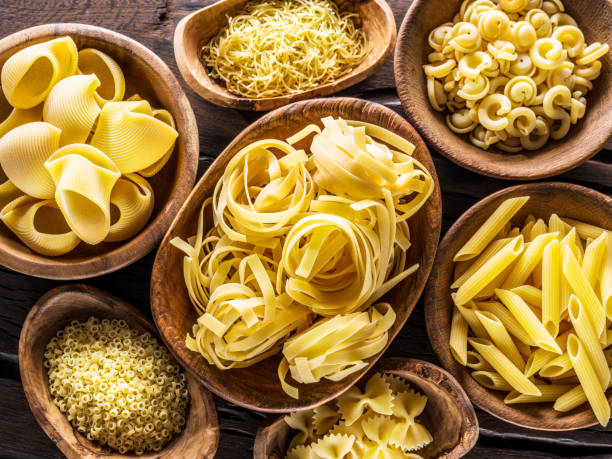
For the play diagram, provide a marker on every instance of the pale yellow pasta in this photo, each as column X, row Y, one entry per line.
column 557, row 367
column 508, row 320
column 108, row 72
column 458, row 337
column 549, row 393
column 476, row 362
column 500, row 337
column 584, row 230
column 8, row 191
column 491, row 380
column 377, row 396
column 537, row 360
column 528, row 260
column 605, row 282
column 493, row 111
column 11, row 117
column 468, row 313
column 521, row 121
column 132, row 198
column 593, row 258
column 166, row 117
column 551, row 287
column 570, row 399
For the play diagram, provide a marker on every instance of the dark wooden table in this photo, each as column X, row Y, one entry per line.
column 152, row 23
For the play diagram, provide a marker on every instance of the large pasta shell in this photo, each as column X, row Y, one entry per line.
column 133, row 198
column 166, row 117
column 11, row 117
column 112, row 87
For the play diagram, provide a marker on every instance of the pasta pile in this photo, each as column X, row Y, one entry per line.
column 511, row 73
column 301, row 247
column 535, row 305
column 278, row 47
column 73, row 154
column 378, row 422
column 116, row 386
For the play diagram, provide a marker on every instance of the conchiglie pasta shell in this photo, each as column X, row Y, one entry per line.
column 54, row 237
column 133, row 139
column 166, row 117
column 112, row 87
column 8, row 191
column 134, row 199
column 72, row 107
column 23, row 152
column 84, row 178
column 28, row 75
column 11, row 117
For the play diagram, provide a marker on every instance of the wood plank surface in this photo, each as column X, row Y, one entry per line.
column 152, row 23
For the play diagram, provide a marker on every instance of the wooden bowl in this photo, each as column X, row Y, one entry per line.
column 257, row 387
column 584, row 140
column 199, row 27
column 567, row 200
column 56, row 309
column 448, row 415
column 147, row 75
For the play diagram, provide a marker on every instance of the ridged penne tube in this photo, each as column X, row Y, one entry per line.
column 24, row 214
column 537, row 360
column 588, row 379
column 28, row 75
column 528, row 320
column 23, row 153
column 551, row 287
column 556, row 225
column 511, row 324
column 589, row 339
column 84, row 178
column 491, row 380
column 131, row 137
column 11, row 117
column 458, row 337
column 582, row 288
column 166, row 117
column 550, row 393
column 112, row 81
column 476, row 362
column 557, row 367
column 529, row 293
column 473, row 266
column 133, row 198
column 593, row 258
column 570, row 399
column 500, row 337
column 490, row 228
column 528, row 260
column 605, row 283
column 504, row 366
column 72, row 107
column 585, row 230
column 468, row 314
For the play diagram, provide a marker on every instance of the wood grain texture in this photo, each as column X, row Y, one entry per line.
column 584, row 139
column 448, row 415
column 258, row 386
column 51, row 313
column 198, row 28
column 150, row 77
column 566, row 200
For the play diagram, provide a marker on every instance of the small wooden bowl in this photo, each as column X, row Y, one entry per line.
column 567, row 200
column 257, row 387
column 147, row 75
column 449, row 415
column 584, row 139
column 199, row 27
column 56, row 309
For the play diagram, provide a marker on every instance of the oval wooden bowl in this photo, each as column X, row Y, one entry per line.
column 448, row 415
column 257, row 387
column 199, row 27
column 56, row 309
column 567, row 200
column 149, row 76
column 584, row 139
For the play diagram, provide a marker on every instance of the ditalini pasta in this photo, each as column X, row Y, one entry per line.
column 510, row 73
column 301, row 247
column 539, row 330
column 73, row 154
column 381, row 421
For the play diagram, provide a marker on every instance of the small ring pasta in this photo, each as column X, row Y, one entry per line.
column 493, row 110
column 548, row 53
column 460, row 122
column 555, row 99
column 521, row 90
column 494, row 25
column 521, row 121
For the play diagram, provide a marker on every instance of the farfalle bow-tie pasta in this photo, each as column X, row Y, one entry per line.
column 301, row 247
column 73, row 154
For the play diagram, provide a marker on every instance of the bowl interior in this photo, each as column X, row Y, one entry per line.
column 258, row 387
column 583, row 140
column 53, row 312
column 571, row 201
column 147, row 75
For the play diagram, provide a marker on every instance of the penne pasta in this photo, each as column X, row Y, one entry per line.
column 529, row 293
column 585, row 230
column 557, row 367
column 570, row 400
column 493, row 248
column 537, row 360
column 550, row 393
column 491, row 380
column 593, row 258
column 476, row 362
column 468, row 314
column 458, row 337
column 528, row 260
column 605, row 283
column 551, row 287
column 511, row 324
column 500, row 337
column 556, row 225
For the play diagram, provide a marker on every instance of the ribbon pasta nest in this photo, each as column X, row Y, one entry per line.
column 73, row 154
column 378, row 422
column 301, row 247
column 511, row 73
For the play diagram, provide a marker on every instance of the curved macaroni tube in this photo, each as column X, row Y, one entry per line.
column 494, row 25
column 166, row 117
column 523, row 35
column 493, row 111
column 502, row 50
column 471, row 65
column 533, row 4
column 474, row 89
column 513, row 6
column 438, row 37
column 484, row 138
column 23, row 152
column 510, row 145
column 561, row 75
column 562, row 19
column 577, row 109
column 582, row 84
column 110, row 75
column 72, row 107
column 592, row 52
column 460, row 122
column 571, row 37
column 521, row 90
column 523, row 65
column 521, row 121
column 552, row 6
column 440, row 70
column 133, row 198
column 538, row 137
column 548, row 53
column 590, row 71
column 498, row 84
column 465, row 38
column 555, row 100
column 493, row 70
column 539, row 76
column 560, row 127
column 540, row 22
column 435, row 57
column 476, row 10
column 84, row 178
column 20, row 216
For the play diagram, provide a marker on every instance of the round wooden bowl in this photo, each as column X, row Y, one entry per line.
column 448, row 415
column 258, row 387
column 199, row 27
column 147, row 75
column 56, row 309
column 584, row 139
column 567, row 200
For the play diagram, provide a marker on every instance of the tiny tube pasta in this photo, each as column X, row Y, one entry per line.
column 73, row 153
column 295, row 247
column 381, row 419
column 522, row 70
column 540, row 331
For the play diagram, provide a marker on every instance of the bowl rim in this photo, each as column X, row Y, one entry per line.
column 439, row 343
column 138, row 246
column 157, row 280
column 456, row 151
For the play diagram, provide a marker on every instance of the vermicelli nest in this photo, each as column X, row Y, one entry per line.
column 278, row 47
column 116, row 385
